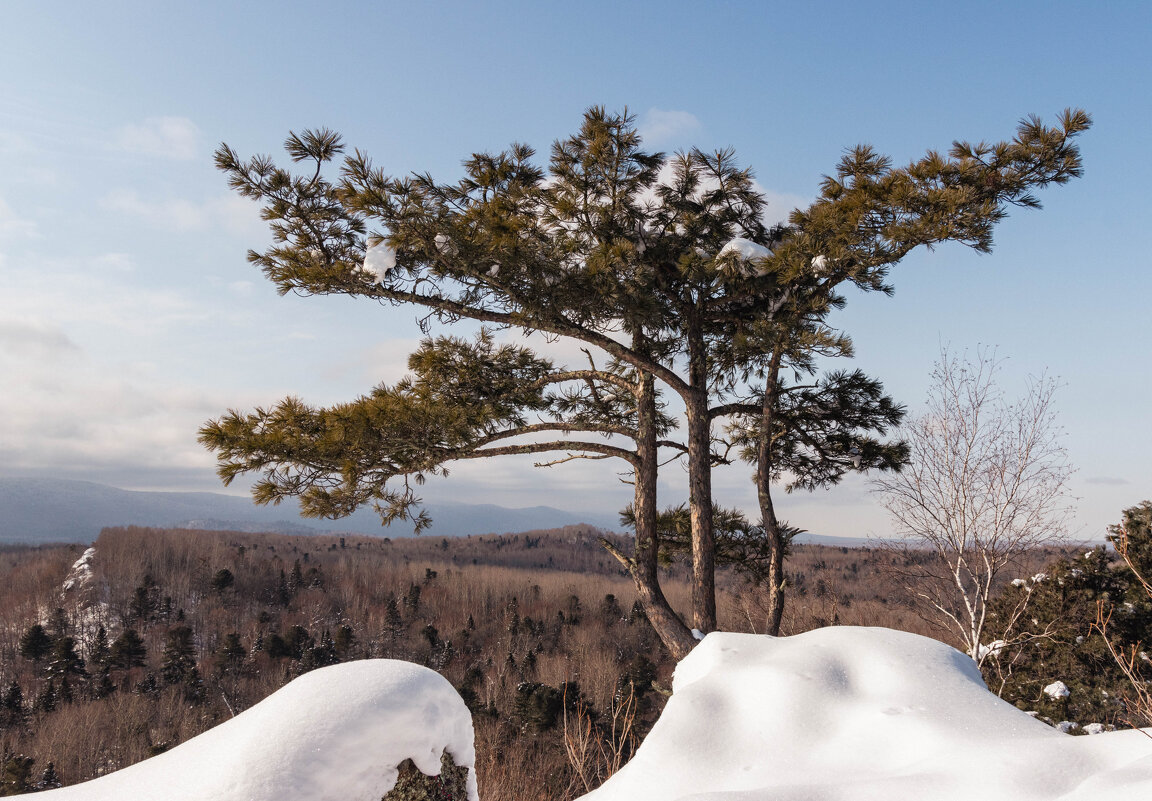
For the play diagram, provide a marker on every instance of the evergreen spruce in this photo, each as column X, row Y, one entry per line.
column 411, row 785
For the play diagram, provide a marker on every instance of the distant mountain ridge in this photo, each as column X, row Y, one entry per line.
column 34, row 510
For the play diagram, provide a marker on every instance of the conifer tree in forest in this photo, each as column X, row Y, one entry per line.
column 12, row 710
column 662, row 263
column 35, row 643
column 16, row 775
column 179, row 656
column 49, row 778
column 127, row 651
column 99, row 650
column 65, row 662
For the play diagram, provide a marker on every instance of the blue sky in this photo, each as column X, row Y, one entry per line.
column 128, row 314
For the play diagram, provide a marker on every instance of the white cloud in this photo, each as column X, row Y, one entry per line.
column 667, row 127
column 234, row 214
column 12, row 225
column 34, row 337
column 163, row 137
column 114, row 263
column 75, row 412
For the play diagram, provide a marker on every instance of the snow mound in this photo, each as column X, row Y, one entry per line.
column 335, row 733
column 854, row 714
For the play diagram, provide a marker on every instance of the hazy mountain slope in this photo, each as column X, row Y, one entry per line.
column 48, row 510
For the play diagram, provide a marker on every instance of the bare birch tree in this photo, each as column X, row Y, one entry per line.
column 986, row 481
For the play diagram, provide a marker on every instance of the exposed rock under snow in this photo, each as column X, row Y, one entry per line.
column 81, row 572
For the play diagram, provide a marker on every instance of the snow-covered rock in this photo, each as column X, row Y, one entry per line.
column 855, row 714
column 81, row 573
column 337, row 733
column 1057, row 690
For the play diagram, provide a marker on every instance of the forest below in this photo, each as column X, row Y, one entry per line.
column 122, row 651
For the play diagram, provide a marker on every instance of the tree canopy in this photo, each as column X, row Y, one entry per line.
column 663, row 263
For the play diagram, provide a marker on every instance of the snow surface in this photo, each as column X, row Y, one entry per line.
column 856, row 714
column 836, row 714
column 335, row 734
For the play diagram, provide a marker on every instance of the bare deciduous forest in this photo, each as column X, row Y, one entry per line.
column 160, row 634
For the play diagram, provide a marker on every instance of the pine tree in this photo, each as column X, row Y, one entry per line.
column 179, row 655
column 65, row 663
column 344, row 641
column 192, row 686
column 658, row 272
column 48, row 699
column 99, row 652
column 127, row 651
column 145, row 603
column 12, row 711
column 149, row 685
column 16, row 778
column 232, row 654
column 222, row 579
column 49, row 778
column 1043, row 630
column 35, row 644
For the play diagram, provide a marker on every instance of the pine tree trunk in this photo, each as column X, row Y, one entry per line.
column 771, row 525
column 644, row 563
column 700, row 486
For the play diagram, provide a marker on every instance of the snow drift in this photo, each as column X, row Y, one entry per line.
column 335, row 733
column 843, row 713
column 836, row 714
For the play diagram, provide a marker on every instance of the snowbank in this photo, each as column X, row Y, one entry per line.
column 843, row 713
column 335, row 733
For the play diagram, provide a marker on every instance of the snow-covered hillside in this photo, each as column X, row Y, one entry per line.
column 836, row 714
